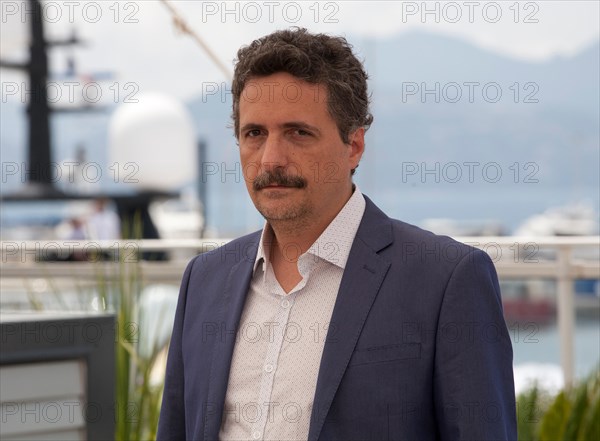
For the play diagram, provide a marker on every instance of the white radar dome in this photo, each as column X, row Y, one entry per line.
column 152, row 143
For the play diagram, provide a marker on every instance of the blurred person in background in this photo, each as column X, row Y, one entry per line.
column 103, row 223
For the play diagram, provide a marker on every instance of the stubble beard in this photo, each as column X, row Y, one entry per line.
column 286, row 215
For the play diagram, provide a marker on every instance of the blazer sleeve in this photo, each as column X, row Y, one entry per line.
column 473, row 373
column 171, row 424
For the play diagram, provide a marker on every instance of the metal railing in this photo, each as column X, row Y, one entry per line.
column 563, row 259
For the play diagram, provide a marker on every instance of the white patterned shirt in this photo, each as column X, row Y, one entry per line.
column 281, row 336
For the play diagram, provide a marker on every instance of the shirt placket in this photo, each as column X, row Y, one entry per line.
column 274, row 344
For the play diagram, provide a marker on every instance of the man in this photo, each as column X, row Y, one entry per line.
column 334, row 322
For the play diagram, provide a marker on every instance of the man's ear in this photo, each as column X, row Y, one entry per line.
column 356, row 143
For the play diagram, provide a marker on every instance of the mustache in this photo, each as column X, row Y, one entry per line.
column 279, row 178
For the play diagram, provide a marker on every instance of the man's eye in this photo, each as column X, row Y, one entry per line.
column 302, row 132
column 253, row 133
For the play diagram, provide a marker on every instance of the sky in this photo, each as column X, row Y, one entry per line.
column 137, row 41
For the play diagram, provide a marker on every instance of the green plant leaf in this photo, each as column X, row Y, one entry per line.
column 554, row 421
column 590, row 425
column 527, row 403
column 577, row 412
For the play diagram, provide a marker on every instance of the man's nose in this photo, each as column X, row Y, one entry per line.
column 275, row 154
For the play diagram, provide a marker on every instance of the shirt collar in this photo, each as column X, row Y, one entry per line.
column 263, row 247
column 333, row 245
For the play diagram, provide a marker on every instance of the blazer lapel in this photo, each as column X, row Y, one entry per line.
column 236, row 289
column 364, row 273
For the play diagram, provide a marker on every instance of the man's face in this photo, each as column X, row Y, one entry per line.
column 294, row 162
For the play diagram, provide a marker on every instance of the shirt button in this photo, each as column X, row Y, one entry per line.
column 285, row 303
column 256, row 435
column 268, row 368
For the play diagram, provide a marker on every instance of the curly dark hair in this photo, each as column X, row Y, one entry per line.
column 315, row 58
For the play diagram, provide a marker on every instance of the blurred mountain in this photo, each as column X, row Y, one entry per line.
column 441, row 107
column 547, row 112
column 418, row 57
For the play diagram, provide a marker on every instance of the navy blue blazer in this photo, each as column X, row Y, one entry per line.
column 418, row 348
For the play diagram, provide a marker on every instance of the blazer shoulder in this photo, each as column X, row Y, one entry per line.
column 388, row 235
column 428, row 247
column 382, row 232
column 406, row 232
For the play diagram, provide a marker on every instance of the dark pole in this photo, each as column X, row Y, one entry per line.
column 38, row 109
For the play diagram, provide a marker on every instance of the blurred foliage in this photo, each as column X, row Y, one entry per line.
column 139, row 390
column 571, row 415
